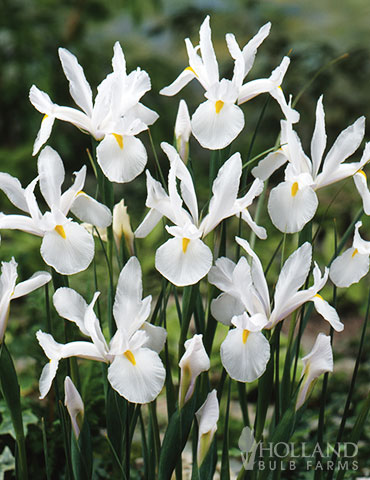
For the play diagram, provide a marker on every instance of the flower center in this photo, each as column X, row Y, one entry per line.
column 130, row 356
column 294, row 189
column 185, row 243
column 119, row 139
column 245, row 335
column 59, row 229
column 218, row 105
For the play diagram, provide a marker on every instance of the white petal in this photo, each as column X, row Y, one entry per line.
column 19, row 222
column 12, row 188
column 250, row 50
column 118, row 60
column 181, row 81
column 349, row 268
column 47, row 376
column 139, row 383
column 291, row 115
column 89, row 210
column 74, row 404
column 128, row 300
column 221, row 275
column 345, row 145
column 37, row 280
column 208, row 413
column 182, row 125
column 71, row 305
column 361, row 185
column 69, row 195
column 121, row 165
column 290, row 213
column 318, row 142
column 245, row 362
column 225, row 307
column 269, row 164
column 40, row 100
column 216, row 130
column 156, row 337
column 362, row 245
column 224, row 192
column 68, row 255
column 44, row 133
column 149, row 222
column 258, row 230
column 208, row 53
column 78, row 87
column 183, row 268
column 51, row 176
column 328, row 312
column 293, row 275
column 258, row 276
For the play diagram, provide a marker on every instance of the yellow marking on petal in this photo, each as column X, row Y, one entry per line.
column 81, row 192
column 219, row 104
column 245, row 335
column 130, row 356
column 119, row 139
column 294, row 189
column 59, row 229
column 191, row 70
column 355, row 252
column 185, row 243
column 319, row 296
column 44, row 117
column 363, row 173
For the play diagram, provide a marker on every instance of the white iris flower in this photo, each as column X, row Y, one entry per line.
column 135, row 370
column 10, row 291
column 114, row 119
column 185, row 259
column 293, row 203
column 66, row 245
column 218, row 121
column 245, row 303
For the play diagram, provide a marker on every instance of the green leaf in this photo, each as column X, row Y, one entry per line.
column 11, row 394
column 175, row 438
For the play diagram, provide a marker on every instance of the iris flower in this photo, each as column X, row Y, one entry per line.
column 353, row 264
column 245, row 303
column 294, row 202
column 9, row 290
column 218, row 121
column 66, row 246
column 74, row 405
column 114, row 119
column 135, row 370
column 185, row 259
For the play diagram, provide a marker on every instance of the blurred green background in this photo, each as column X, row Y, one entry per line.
column 152, row 34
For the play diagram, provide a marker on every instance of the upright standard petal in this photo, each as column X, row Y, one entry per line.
column 51, row 176
column 79, row 88
column 72, row 306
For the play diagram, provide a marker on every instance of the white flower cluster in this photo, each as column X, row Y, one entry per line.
column 114, row 120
